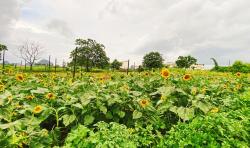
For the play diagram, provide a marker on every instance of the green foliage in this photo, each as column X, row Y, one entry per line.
column 107, row 136
column 185, row 61
column 215, row 130
column 116, row 64
column 153, row 60
column 89, row 53
column 117, row 110
column 238, row 66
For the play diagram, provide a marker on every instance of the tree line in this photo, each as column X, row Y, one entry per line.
column 89, row 54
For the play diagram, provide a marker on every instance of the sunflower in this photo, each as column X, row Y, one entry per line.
column 50, row 96
column 19, row 77
column 144, row 102
column 186, row 77
column 238, row 74
column 165, row 73
column 214, row 110
column 194, row 91
column 239, row 86
column 30, row 97
column 1, row 87
column 37, row 109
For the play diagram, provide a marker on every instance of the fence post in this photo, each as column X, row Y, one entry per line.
column 74, row 72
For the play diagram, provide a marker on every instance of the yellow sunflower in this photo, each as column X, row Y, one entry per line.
column 194, row 91
column 1, row 87
column 19, row 77
column 238, row 74
column 165, row 73
column 214, row 110
column 50, row 96
column 186, row 77
column 30, row 97
column 144, row 102
column 37, row 109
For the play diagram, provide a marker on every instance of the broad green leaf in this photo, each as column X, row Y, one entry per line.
column 40, row 90
column 103, row 109
column 137, row 114
column 183, row 113
column 67, row 119
column 202, row 106
column 78, row 105
column 88, row 119
column 121, row 114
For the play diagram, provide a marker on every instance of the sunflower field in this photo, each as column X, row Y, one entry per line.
column 161, row 108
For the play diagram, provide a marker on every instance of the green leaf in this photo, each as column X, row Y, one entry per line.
column 103, row 109
column 202, row 106
column 67, row 119
column 78, row 105
column 137, row 114
column 121, row 114
column 40, row 90
column 183, row 113
column 88, row 119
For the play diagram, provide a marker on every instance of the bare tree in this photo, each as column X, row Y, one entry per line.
column 30, row 52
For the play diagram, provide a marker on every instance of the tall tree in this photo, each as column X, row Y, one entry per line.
column 89, row 53
column 3, row 48
column 153, row 60
column 116, row 64
column 185, row 61
column 30, row 52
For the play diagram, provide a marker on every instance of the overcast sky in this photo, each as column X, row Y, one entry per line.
column 131, row 28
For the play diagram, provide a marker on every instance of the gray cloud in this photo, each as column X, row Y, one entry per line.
column 9, row 11
column 129, row 28
column 60, row 26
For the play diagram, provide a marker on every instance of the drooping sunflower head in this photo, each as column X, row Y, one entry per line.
column 214, row 110
column 19, row 77
column 1, row 87
column 187, row 77
column 50, row 96
column 144, row 103
column 194, row 91
column 165, row 73
column 37, row 109
column 30, row 97
column 238, row 74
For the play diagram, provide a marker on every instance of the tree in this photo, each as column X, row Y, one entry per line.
column 116, row 64
column 3, row 48
column 153, row 60
column 30, row 52
column 89, row 53
column 185, row 61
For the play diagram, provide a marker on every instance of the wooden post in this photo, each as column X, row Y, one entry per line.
column 74, row 72
column 128, row 67
column 3, row 60
column 25, row 64
column 55, row 65
column 49, row 63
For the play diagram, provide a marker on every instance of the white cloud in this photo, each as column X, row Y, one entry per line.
column 130, row 28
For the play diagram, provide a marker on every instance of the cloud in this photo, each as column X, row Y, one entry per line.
column 60, row 26
column 9, row 11
column 129, row 28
